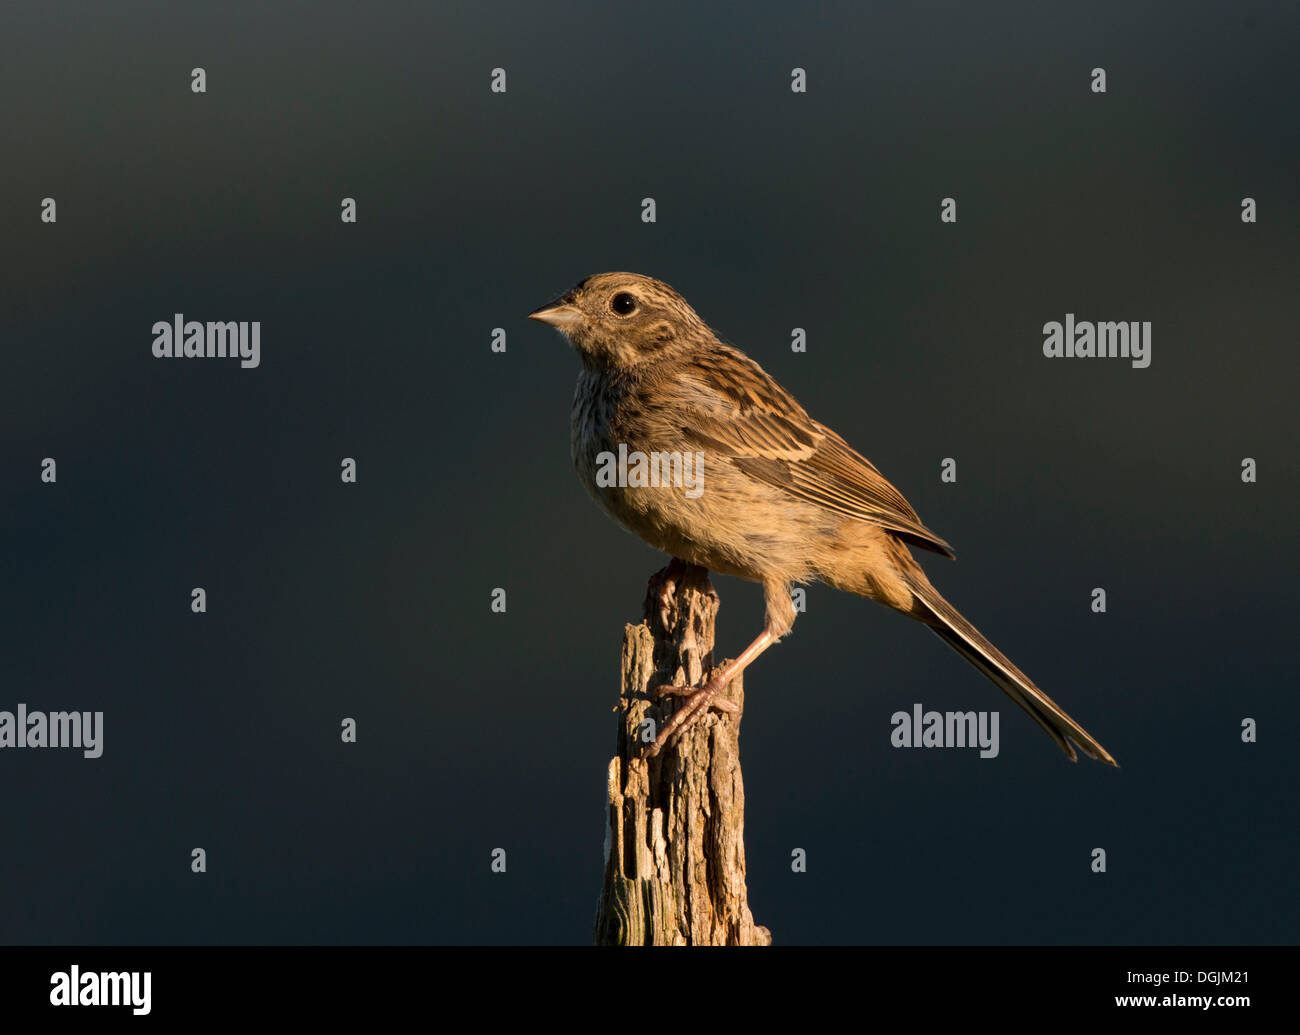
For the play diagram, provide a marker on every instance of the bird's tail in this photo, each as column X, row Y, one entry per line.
column 971, row 644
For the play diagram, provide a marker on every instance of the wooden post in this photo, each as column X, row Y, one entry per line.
column 674, row 844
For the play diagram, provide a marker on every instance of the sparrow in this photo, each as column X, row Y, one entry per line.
column 781, row 498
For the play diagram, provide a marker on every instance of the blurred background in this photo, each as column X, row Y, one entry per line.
column 775, row 210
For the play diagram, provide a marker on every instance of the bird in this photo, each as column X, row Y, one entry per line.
column 783, row 499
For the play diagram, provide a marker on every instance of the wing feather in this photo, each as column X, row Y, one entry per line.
column 753, row 420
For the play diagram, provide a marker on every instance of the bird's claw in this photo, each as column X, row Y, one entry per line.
column 697, row 701
column 722, row 704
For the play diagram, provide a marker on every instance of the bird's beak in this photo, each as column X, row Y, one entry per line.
column 559, row 313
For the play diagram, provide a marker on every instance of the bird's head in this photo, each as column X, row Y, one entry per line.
column 618, row 320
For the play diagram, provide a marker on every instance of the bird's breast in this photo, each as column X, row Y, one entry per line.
column 604, row 434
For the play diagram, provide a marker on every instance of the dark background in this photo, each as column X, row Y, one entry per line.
column 775, row 210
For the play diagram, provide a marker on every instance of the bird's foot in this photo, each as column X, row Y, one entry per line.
column 661, row 598
column 667, row 590
column 698, row 701
column 667, row 599
column 723, row 704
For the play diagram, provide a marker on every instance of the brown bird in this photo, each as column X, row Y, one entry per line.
column 778, row 498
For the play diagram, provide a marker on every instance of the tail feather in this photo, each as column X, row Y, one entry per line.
column 971, row 644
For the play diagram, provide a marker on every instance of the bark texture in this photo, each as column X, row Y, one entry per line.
column 674, row 842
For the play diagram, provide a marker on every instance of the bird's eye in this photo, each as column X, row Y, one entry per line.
column 623, row 303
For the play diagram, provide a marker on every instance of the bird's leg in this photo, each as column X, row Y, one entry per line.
column 699, row 700
column 666, row 590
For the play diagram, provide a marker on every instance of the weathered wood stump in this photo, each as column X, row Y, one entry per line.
column 674, row 844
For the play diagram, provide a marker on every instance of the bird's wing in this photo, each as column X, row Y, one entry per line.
column 734, row 407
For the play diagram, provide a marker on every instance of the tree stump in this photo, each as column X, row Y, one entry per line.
column 674, row 843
